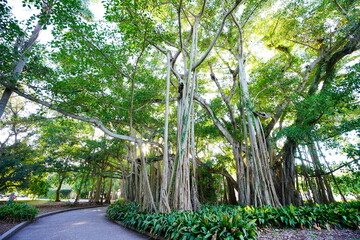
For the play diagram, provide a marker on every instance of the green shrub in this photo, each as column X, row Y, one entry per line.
column 15, row 212
column 207, row 223
column 340, row 215
column 233, row 222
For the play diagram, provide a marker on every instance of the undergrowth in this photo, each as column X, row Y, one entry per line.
column 15, row 212
column 234, row 222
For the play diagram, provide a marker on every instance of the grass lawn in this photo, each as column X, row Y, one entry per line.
column 28, row 201
column 34, row 202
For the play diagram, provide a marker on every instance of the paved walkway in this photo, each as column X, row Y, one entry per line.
column 87, row 224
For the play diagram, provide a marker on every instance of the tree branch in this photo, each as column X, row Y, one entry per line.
column 334, row 170
column 301, row 43
column 92, row 121
column 216, row 36
column 225, row 99
column 179, row 22
column 341, row 9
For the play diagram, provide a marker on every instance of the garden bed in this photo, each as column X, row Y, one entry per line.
column 334, row 221
column 308, row 234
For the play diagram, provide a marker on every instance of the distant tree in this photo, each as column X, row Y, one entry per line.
column 20, row 163
column 61, row 142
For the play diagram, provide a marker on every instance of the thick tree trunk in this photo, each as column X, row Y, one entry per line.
column 98, row 189
column 287, row 174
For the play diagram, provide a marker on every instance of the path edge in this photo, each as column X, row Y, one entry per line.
column 20, row 226
column 146, row 233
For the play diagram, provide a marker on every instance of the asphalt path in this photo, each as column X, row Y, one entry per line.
column 87, row 224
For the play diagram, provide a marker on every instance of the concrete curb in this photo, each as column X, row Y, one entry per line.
column 20, row 226
column 148, row 234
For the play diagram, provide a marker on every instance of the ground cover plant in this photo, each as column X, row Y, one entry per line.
column 15, row 212
column 234, row 222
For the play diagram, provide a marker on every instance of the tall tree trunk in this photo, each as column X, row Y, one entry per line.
column 135, row 182
column 194, row 190
column 182, row 191
column 164, row 198
column 262, row 180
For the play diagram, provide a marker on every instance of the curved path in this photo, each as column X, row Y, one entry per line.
column 87, row 224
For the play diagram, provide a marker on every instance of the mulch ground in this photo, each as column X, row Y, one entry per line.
column 309, row 234
column 45, row 208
